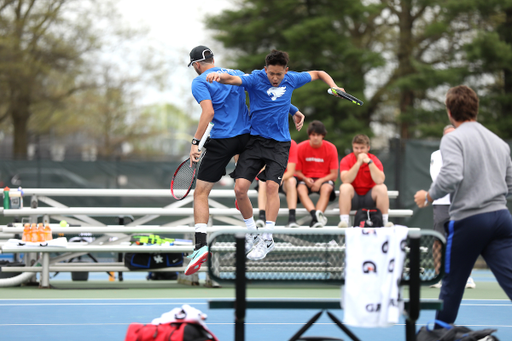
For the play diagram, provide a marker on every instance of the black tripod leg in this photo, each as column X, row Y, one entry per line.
column 343, row 327
column 306, row 326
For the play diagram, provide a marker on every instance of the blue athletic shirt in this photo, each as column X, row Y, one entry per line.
column 231, row 116
column 270, row 105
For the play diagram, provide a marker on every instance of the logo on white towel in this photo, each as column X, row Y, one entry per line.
column 391, row 265
column 369, row 266
column 385, row 247
column 373, row 308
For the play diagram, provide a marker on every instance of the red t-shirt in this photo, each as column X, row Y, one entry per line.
column 363, row 181
column 292, row 156
column 316, row 162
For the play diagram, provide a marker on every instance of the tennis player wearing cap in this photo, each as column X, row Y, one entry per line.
column 225, row 106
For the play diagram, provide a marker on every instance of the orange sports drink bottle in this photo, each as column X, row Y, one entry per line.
column 33, row 233
column 48, row 232
column 40, row 232
column 26, row 233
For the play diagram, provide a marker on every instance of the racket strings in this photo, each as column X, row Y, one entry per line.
column 185, row 177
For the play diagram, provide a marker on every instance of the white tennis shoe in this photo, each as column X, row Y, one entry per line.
column 261, row 249
column 321, row 218
column 251, row 239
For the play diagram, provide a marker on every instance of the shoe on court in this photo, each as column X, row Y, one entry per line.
column 292, row 225
column 260, row 223
column 470, row 284
column 322, row 219
column 389, row 224
column 261, row 249
column 198, row 257
column 251, row 239
column 438, row 285
column 342, row 224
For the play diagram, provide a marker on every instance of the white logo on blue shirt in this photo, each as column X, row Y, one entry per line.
column 275, row 92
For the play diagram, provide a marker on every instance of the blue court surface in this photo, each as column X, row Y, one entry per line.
column 108, row 319
column 102, row 317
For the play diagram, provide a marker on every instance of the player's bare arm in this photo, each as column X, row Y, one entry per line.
column 347, row 177
column 223, row 78
column 298, row 119
column 377, row 175
column 326, row 78
column 207, row 113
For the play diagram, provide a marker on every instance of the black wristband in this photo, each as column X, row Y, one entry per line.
column 195, row 141
column 368, row 163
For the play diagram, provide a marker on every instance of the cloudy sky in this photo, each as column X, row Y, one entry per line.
column 176, row 26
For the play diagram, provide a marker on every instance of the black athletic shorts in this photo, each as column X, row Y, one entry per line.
column 218, row 154
column 441, row 216
column 263, row 152
column 332, row 197
column 363, row 201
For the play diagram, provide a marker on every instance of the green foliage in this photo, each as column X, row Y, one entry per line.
column 404, row 54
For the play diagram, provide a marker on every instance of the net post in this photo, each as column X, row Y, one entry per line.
column 414, row 285
column 240, row 288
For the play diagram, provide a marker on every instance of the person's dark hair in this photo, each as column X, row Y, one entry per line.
column 462, row 102
column 317, row 127
column 276, row 57
column 361, row 139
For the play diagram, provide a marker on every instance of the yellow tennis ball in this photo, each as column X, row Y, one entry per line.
column 63, row 223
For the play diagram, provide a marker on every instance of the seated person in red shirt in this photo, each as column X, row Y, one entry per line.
column 362, row 177
column 288, row 187
column 316, row 170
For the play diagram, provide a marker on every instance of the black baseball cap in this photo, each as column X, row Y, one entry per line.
column 198, row 54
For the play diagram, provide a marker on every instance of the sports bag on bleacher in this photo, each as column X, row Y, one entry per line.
column 451, row 332
column 148, row 261
column 368, row 217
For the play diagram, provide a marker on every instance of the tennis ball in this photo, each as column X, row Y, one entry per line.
column 63, row 223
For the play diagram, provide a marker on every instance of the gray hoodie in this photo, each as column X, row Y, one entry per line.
column 476, row 172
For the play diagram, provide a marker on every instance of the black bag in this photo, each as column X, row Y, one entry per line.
column 450, row 332
column 137, row 261
column 368, row 217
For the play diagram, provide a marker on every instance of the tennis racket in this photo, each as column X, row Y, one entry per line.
column 184, row 177
column 333, row 91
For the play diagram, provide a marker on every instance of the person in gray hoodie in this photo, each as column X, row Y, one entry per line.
column 477, row 173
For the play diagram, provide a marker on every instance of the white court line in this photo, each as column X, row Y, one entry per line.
column 93, row 304
column 486, row 305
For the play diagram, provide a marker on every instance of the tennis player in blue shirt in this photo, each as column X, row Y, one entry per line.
column 225, row 106
column 270, row 91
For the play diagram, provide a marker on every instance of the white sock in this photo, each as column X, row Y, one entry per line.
column 385, row 218
column 270, row 226
column 251, row 225
column 345, row 218
column 201, row 228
